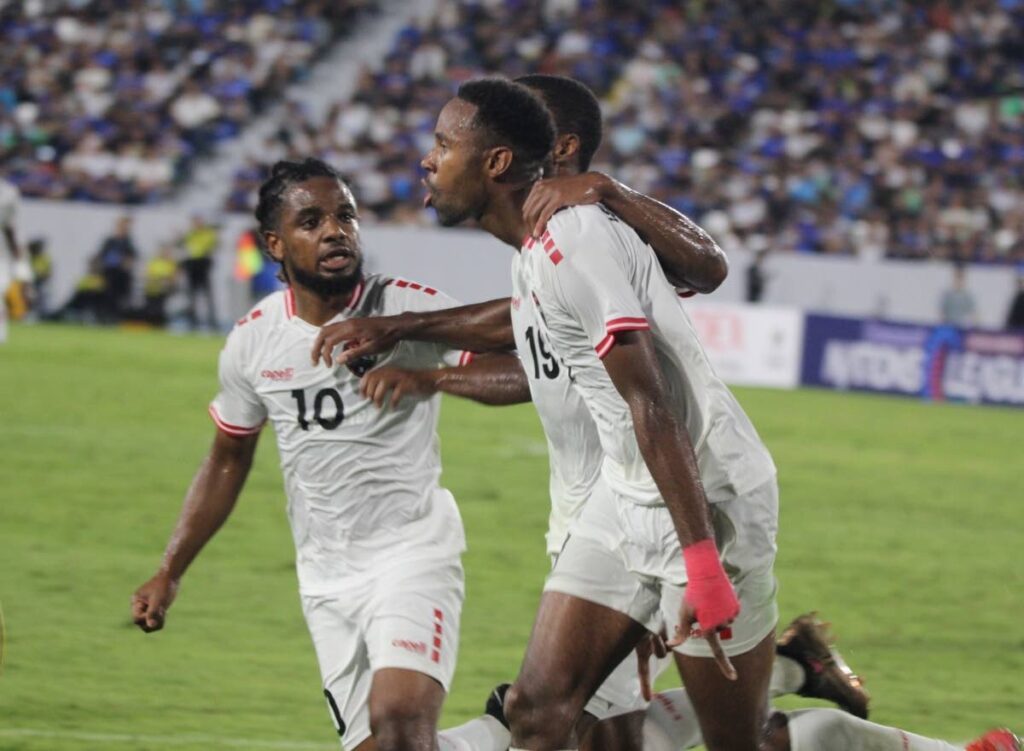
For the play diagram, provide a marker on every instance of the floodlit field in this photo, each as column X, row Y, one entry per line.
column 902, row 522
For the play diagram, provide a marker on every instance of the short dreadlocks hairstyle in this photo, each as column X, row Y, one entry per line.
column 574, row 108
column 510, row 114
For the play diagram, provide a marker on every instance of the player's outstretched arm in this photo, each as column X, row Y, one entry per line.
column 668, row 452
column 495, row 379
column 688, row 254
column 482, row 327
column 208, row 502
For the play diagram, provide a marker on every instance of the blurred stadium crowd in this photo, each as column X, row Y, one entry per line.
column 112, row 100
column 868, row 127
column 873, row 128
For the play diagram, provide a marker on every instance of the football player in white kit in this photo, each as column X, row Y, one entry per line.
column 684, row 474
column 378, row 540
column 14, row 265
column 647, row 549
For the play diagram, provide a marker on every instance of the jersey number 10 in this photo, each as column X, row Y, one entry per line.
column 327, row 423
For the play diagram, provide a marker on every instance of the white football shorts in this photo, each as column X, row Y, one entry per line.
column 406, row 617
column 627, row 557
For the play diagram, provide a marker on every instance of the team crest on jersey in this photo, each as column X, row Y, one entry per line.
column 361, row 365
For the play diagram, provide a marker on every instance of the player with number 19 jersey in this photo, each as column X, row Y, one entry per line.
column 381, row 503
column 574, row 447
column 592, row 277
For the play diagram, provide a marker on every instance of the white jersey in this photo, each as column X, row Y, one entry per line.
column 10, row 201
column 574, row 446
column 592, row 276
column 362, row 483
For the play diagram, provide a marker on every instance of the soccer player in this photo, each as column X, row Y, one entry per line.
column 378, row 540
column 673, row 438
column 689, row 255
column 14, row 265
column 644, row 550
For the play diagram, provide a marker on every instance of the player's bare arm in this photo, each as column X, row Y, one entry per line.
column 481, row 327
column 668, row 452
column 688, row 254
column 495, row 379
column 208, row 503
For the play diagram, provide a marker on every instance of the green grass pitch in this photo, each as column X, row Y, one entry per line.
column 901, row 522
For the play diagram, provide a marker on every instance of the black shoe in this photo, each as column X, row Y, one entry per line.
column 495, row 706
column 807, row 640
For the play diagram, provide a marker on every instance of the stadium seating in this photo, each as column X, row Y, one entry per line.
column 111, row 101
column 868, row 127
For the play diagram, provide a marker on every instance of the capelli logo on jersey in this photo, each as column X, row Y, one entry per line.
column 279, row 375
column 418, row 647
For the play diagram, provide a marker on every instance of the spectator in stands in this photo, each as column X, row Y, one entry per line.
column 850, row 128
column 108, row 101
column 199, row 245
column 957, row 305
column 116, row 258
column 1015, row 316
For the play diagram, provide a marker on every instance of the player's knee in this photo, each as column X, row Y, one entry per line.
column 402, row 726
column 776, row 734
column 535, row 712
column 722, row 737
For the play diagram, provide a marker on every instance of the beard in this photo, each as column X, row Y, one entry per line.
column 327, row 286
column 451, row 215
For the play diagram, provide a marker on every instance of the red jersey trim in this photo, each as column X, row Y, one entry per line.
column 615, row 326
column 403, row 283
column 289, row 303
column 235, row 430
column 465, row 358
column 357, row 295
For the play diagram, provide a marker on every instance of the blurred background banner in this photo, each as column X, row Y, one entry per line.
column 940, row 363
column 751, row 345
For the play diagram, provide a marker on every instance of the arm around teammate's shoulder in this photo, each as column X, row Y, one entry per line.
column 480, row 327
column 688, row 254
column 208, row 503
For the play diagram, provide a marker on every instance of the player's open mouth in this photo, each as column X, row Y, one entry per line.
column 336, row 260
column 428, row 199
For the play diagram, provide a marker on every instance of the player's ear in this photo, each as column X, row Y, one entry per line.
column 566, row 148
column 497, row 162
column 274, row 245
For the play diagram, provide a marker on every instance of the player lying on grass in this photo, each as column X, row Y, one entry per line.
column 573, row 443
column 378, row 540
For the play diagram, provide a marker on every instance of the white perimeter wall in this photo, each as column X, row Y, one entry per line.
column 472, row 266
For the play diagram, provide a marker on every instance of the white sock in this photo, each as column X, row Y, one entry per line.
column 813, row 729
column 671, row 722
column 787, row 676
column 483, row 733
